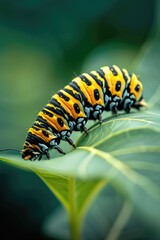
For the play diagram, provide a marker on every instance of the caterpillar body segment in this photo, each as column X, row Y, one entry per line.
column 84, row 98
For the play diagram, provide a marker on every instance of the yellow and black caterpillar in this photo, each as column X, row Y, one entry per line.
column 84, row 98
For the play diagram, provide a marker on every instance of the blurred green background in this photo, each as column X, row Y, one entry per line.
column 43, row 45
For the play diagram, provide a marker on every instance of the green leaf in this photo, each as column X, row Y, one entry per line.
column 123, row 152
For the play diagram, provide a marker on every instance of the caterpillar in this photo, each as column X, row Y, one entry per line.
column 85, row 98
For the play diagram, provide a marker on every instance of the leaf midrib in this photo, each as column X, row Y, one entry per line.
column 125, row 130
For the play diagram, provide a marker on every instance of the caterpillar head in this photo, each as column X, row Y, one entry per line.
column 34, row 149
column 136, row 93
column 39, row 141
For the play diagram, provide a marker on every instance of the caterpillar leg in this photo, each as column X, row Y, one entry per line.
column 39, row 158
column 128, row 108
column 115, row 110
column 69, row 140
column 35, row 158
column 100, row 118
column 85, row 130
column 59, row 150
column 47, row 155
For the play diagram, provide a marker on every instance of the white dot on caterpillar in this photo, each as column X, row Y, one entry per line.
column 43, row 146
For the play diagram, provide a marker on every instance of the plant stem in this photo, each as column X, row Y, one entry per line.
column 74, row 221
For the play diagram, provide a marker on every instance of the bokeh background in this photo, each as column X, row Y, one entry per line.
column 43, row 45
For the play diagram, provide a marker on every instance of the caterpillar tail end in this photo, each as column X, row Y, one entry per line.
column 142, row 103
